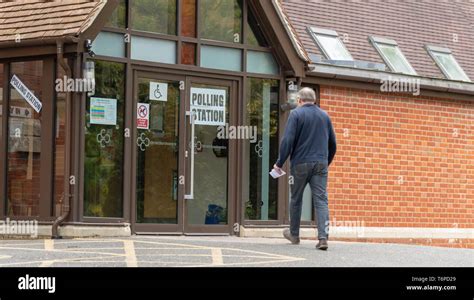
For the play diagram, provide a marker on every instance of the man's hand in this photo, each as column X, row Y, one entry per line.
column 277, row 168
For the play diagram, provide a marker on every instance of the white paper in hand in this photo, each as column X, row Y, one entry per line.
column 277, row 173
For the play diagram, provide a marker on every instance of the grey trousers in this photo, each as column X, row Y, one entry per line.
column 316, row 174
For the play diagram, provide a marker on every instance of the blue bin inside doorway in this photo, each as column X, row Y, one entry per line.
column 213, row 214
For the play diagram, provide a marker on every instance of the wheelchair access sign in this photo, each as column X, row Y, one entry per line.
column 158, row 91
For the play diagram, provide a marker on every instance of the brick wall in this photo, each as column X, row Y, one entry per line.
column 402, row 161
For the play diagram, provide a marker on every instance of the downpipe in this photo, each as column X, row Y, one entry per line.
column 66, row 198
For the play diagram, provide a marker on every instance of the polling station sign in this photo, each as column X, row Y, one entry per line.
column 208, row 106
column 25, row 92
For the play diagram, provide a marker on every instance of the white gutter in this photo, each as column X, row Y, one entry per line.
column 374, row 76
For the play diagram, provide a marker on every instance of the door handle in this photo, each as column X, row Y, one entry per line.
column 190, row 196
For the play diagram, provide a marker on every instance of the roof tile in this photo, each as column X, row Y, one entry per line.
column 413, row 24
column 36, row 19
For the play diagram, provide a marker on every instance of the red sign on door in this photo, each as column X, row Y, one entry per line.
column 143, row 116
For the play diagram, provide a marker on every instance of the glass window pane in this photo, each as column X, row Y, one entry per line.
column 451, row 66
column 154, row 16
column 24, row 143
column 395, row 58
column 104, row 142
column 221, row 58
column 210, row 203
column 188, row 54
column 148, row 49
column 261, row 62
column 188, row 18
column 254, row 34
column 157, row 154
column 263, row 113
column 109, row 44
column 221, row 20
column 118, row 17
column 333, row 47
column 252, row 38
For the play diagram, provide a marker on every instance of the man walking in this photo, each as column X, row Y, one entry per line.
column 310, row 141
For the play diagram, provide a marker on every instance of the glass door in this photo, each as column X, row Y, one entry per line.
column 207, row 208
column 181, row 160
column 158, row 154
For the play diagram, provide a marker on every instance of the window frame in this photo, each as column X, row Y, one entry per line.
column 316, row 31
column 48, row 123
column 193, row 70
column 130, row 25
column 375, row 41
column 84, row 121
column 280, row 207
column 433, row 50
column 199, row 25
column 129, row 33
column 4, row 131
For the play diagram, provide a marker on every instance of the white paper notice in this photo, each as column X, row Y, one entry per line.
column 103, row 111
column 208, row 106
column 277, row 174
column 158, row 91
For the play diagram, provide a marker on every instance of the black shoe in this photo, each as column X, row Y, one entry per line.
column 322, row 245
column 293, row 239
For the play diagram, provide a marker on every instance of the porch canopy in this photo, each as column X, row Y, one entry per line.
column 33, row 22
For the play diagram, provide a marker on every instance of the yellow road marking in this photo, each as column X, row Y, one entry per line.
column 48, row 246
column 130, row 256
column 59, row 260
column 217, row 259
column 64, row 250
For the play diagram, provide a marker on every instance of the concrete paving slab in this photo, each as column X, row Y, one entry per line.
column 202, row 251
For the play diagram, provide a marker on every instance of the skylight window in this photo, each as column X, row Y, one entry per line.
column 330, row 44
column 392, row 55
column 447, row 63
